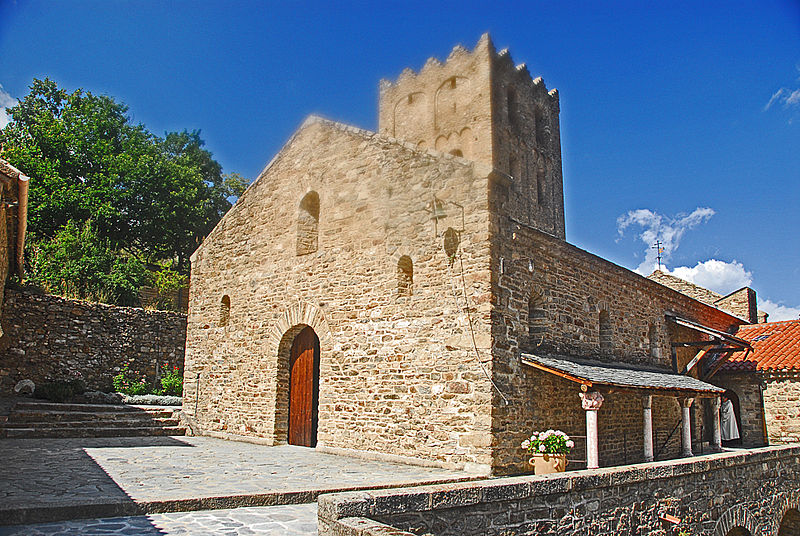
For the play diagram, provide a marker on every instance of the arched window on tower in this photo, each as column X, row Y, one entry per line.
column 405, row 276
column 225, row 311
column 308, row 224
column 511, row 107
column 457, row 152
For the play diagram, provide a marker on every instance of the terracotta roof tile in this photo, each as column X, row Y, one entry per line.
column 776, row 346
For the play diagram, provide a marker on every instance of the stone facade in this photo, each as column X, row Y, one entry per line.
column 782, row 406
column 425, row 265
column 48, row 337
column 729, row 494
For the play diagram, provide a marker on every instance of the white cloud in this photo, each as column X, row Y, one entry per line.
column 719, row 276
column 778, row 311
column 6, row 101
column 786, row 96
column 668, row 230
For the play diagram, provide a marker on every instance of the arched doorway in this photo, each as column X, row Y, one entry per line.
column 790, row 524
column 303, row 388
column 738, row 531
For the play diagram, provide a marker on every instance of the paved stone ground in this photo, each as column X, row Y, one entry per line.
column 287, row 520
column 56, row 479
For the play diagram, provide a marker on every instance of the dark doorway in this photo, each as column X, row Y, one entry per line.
column 304, row 389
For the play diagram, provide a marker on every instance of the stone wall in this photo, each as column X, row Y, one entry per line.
column 782, row 406
column 739, row 493
column 399, row 373
column 47, row 338
column 548, row 300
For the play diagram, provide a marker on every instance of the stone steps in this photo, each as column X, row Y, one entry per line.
column 29, row 419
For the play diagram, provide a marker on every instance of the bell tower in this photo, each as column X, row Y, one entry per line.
column 480, row 106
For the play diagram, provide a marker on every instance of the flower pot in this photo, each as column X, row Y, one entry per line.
column 544, row 464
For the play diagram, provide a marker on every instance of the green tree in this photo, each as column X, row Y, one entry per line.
column 149, row 198
column 77, row 263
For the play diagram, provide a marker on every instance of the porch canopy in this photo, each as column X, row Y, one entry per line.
column 650, row 382
column 592, row 374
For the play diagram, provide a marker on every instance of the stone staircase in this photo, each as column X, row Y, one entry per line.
column 30, row 419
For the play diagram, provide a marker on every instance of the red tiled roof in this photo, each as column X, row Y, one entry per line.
column 776, row 346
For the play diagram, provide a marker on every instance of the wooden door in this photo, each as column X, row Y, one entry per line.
column 304, row 389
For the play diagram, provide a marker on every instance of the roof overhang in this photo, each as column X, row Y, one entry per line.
column 594, row 374
column 717, row 351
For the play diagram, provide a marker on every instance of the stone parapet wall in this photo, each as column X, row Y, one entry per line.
column 50, row 338
column 711, row 496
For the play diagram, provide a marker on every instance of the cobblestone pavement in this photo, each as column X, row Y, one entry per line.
column 50, row 479
column 288, row 520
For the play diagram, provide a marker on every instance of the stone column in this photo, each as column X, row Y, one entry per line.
column 716, row 431
column 647, row 403
column 591, row 402
column 686, row 427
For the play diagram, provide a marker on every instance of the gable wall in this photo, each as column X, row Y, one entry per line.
column 398, row 373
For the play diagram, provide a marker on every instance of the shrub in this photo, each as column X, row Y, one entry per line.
column 130, row 382
column 171, row 381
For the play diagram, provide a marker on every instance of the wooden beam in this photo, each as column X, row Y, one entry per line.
column 562, row 374
column 694, row 361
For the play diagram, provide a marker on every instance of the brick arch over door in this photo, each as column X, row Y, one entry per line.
column 787, row 515
column 736, row 517
column 294, row 319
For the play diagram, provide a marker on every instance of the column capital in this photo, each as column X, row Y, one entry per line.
column 686, row 401
column 591, row 401
column 647, row 401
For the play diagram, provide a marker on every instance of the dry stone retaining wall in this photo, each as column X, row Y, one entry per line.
column 711, row 496
column 48, row 337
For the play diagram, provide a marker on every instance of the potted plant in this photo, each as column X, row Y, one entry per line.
column 548, row 451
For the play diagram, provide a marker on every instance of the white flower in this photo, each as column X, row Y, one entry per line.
column 542, row 436
column 570, row 443
column 541, row 448
column 526, row 444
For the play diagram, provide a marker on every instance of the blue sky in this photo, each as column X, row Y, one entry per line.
column 680, row 120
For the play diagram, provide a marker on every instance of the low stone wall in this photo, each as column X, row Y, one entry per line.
column 756, row 490
column 48, row 338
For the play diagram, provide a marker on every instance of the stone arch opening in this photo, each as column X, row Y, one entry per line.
column 457, row 152
column 297, row 400
column 738, row 531
column 405, row 276
column 790, row 523
column 224, row 311
column 308, row 224
column 728, row 434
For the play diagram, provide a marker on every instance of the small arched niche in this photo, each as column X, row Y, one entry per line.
column 606, row 333
column 225, row 310
column 405, row 276
column 308, row 224
column 537, row 319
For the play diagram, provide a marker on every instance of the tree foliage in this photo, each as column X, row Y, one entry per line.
column 148, row 198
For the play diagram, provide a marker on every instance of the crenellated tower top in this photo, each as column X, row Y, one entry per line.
column 481, row 106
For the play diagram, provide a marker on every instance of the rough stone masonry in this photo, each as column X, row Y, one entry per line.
column 426, row 257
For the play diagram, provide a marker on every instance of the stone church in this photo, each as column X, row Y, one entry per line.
column 409, row 295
